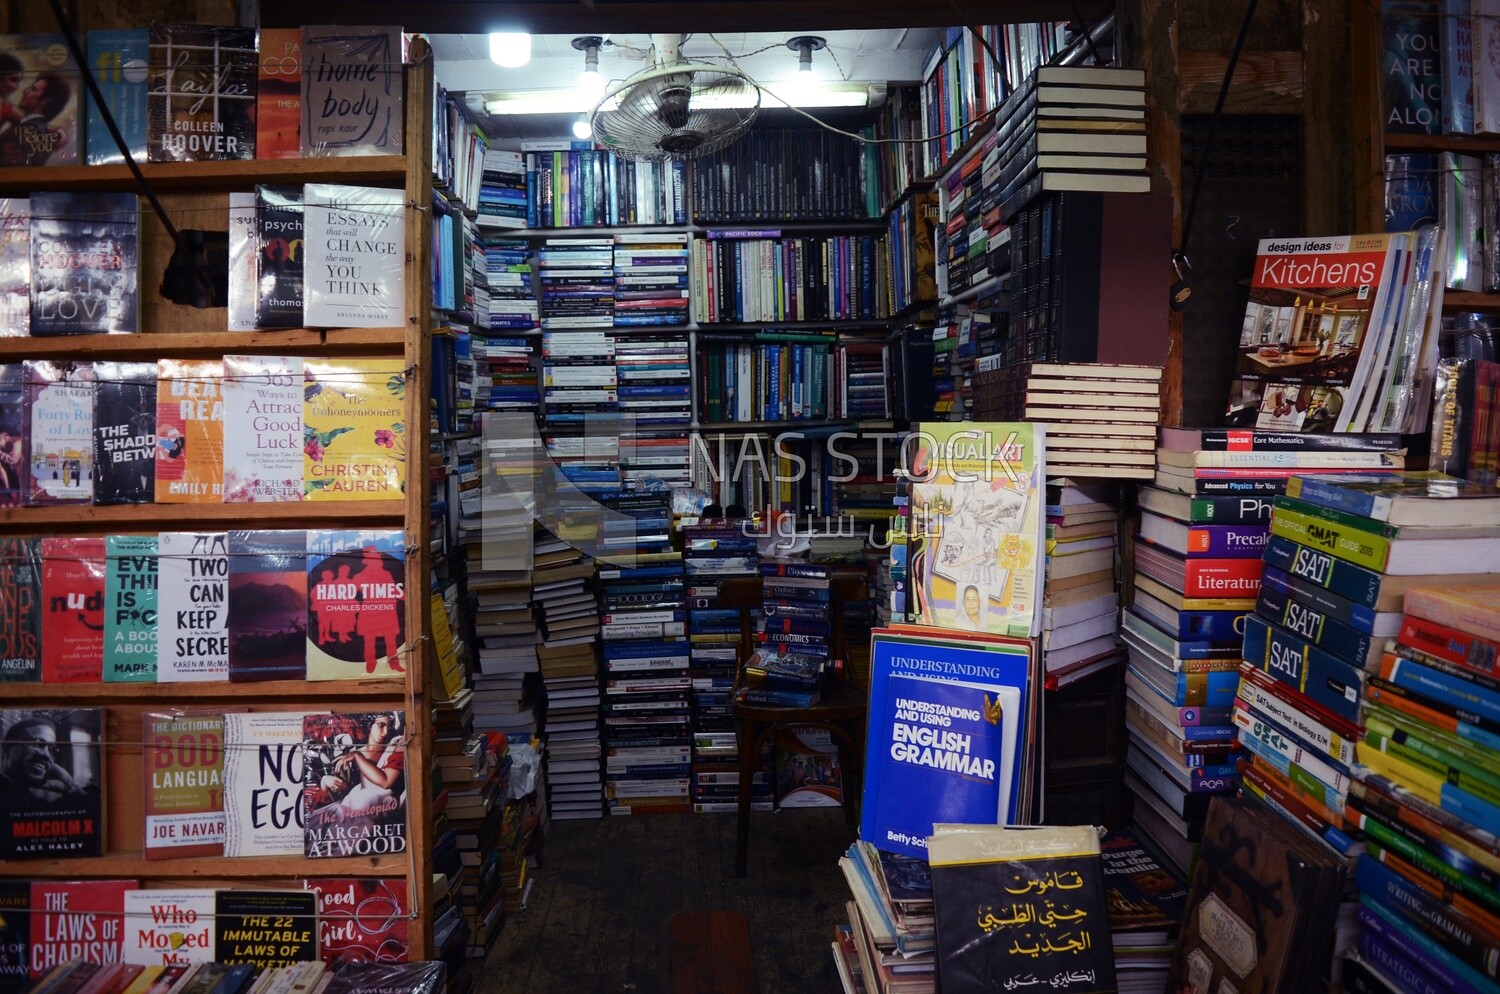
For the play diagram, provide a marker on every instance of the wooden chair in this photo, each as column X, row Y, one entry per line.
column 841, row 710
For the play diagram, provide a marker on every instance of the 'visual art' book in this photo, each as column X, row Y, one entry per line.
column 85, row 263
column 267, row 605
column 262, row 428
column 60, row 414
column 354, row 429
column 120, row 61
column 355, row 268
column 44, row 104
column 265, row 928
column 20, row 611
column 202, row 93
column 72, row 609
column 189, row 431
column 361, row 919
column 356, row 604
column 192, row 635
column 354, row 798
column 977, row 546
column 51, row 788
column 280, row 270
column 278, row 95
column 263, row 772
column 353, row 89
column 77, row 920
column 184, row 777
column 15, row 266
column 130, row 608
column 124, row 432
column 169, row 926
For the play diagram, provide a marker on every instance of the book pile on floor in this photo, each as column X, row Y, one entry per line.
column 1101, row 419
column 890, row 940
column 506, row 686
column 513, row 303
column 651, row 279
column 792, row 650
column 715, row 550
column 647, row 724
column 1204, row 525
column 1080, row 605
column 577, row 282
column 1145, row 900
column 476, row 780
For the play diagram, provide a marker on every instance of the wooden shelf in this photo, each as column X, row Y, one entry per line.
column 1469, row 144
column 289, row 514
column 152, row 346
column 1455, row 301
column 213, row 867
column 114, row 693
column 180, row 176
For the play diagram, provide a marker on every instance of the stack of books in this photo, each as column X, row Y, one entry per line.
column 1145, row 900
column 508, row 271
column 890, row 941
column 506, row 686
column 476, row 781
column 651, row 279
column 513, row 381
column 970, row 238
column 862, row 381
column 577, row 282
column 1081, row 605
column 1101, row 419
column 656, row 404
column 715, row 550
column 647, row 727
column 1424, row 795
column 502, row 190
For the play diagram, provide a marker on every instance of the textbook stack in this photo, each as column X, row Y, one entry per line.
column 580, row 379
column 577, row 282
column 792, row 651
column 1081, row 605
column 647, row 721
column 890, row 941
column 502, row 190
column 513, row 380
column 506, row 686
column 480, row 777
column 508, row 269
column 651, row 279
column 1425, row 796
column 656, row 409
column 1101, row 419
column 1146, row 902
column 715, row 550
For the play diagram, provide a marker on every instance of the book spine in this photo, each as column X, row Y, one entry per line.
column 1434, row 604
column 1379, row 884
column 1304, row 760
column 1229, row 510
column 1418, row 948
column 1443, row 687
column 1336, row 498
column 1319, row 675
column 1227, row 541
column 1210, row 626
column 1322, row 570
column 1284, row 713
column 1222, row 577
column 1334, row 607
column 1353, row 545
column 1319, row 629
column 1450, row 644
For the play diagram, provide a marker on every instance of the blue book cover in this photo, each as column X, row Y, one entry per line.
column 1318, row 628
column 1459, row 693
column 946, row 742
column 1340, row 609
column 1381, row 884
column 1436, row 961
column 1342, row 578
column 1320, row 675
column 119, row 60
column 1397, row 972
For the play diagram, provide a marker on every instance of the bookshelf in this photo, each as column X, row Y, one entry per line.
column 196, row 195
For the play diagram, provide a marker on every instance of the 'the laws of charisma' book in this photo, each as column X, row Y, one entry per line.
column 51, row 783
column 361, row 919
column 267, row 605
column 20, row 611
column 353, row 89
column 263, row 773
column 76, row 920
column 355, row 261
column 169, row 926
column 184, row 778
column 202, row 93
column 85, row 263
column 192, row 635
column 189, row 431
column 278, row 95
column 44, row 104
column 124, row 432
column 130, row 608
column 60, row 411
column 15, row 266
column 262, row 428
column 354, row 797
column 72, row 609
column 356, row 604
column 265, row 928
column 354, row 429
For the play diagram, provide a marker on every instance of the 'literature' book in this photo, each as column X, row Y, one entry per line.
column 267, row 605
column 354, row 798
column 356, row 604
column 192, row 607
column 72, row 609
column 85, row 263
column 354, row 429
column 130, row 608
column 263, row 771
column 44, row 107
column 51, row 784
column 355, row 242
column 189, row 432
column 202, row 96
column 124, row 432
column 20, row 611
column 184, row 778
column 60, row 412
column 353, row 89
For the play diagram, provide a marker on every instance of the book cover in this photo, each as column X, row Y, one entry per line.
column 389, row 978
column 184, row 785
column 15, row 266
column 85, row 263
column 361, row 920
column 244, row 260
column 278, row 95
column 130, row 608
column 356, row 604
column 201, row 101
column 15, row 462
column 355, row 263
column 192, row 637
column 189, row 431
column 124, row 432
column 15, row 936
column 354, row 429
column 265, row 928
column 977, row 517
column 1378, row 496
column 120, row 61
column 807, row 769
column 72, row 609
column 262, row 428
column 1018, row 907
column 263, row 772
column 354, row 797
column 353, row 90
column 41, row 103
column 1314, row 304
column 1413, row 67
column 51, row 784
column 20, row 611
column 169, row 926
column 1141, row 891
column 267, row 605
column 77, row 920
column 60, row 418
column 279, row 269
column 1471, row 610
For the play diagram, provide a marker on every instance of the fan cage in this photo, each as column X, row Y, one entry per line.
column 646, row 118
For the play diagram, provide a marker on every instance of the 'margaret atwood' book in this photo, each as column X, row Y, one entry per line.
column 85, row 263
column 353, row 90
column 72, row 609
column 60, row 413
column 184, row 785
column 354, row 429
column 201, row 103
column 43, row 105
column 262, row 428
column 279, row 280
column 130, row 608
column 124, row 432
column 355, row 256
column 20, row 611
column 1018, row 907
column 265, row 927
column 354, row 784
column 192, row 607
column 189, row 431
column 267, row 605
column 51, row 783
column 356, row 604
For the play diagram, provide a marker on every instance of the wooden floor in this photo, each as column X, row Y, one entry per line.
column 599, row 916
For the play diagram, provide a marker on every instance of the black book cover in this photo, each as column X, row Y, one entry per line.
column 51, row 796
column 13, row 441
column 201, row 96
column 124, row 432
column 15, row 936
column 278, row 226
column 20, row 611
column 85, row 263
column 265, row 927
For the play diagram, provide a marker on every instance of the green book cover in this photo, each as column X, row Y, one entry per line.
column 130, row 609
column 1355, row 545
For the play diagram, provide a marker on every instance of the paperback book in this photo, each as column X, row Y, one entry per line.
column 279, row 271
column 120, row 61
column 189, row 431
column 85, row 263
column 15, row 266
column 72, row 609
column 244, row 262
column 169, row 926
column 192, row 638
column 265, row 928
column 354, row 429
column 355, row 265
column 356, row 604
column 353, row 89
column 60, row 413
column 51, row 783
column 43, row 103
column 262, row 428
column 15, row 936
column 77, row 920
column 20, row 611
column 202, row 93
column 267, row 622
column 263, row 772
column 15, row 461
column 354, row 797
column 361, row 920
column 278, row 95
column 130, row 608
column 124, row 432
column 184, row 785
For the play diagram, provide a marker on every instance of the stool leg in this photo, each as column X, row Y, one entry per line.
column 746, row 736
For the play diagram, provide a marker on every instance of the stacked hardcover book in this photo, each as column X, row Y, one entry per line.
column 574, row 185
column 792, row 651
column 656, row 404
column 502, row 190
column 1101, row 419
column 754, row 276
column 973, row 244
column 890, row 941
column 1081, row 605
column 651, row 279
column 512, row 379
column 577, row 282
column 1145, row 900
column 475, row 780
column 508, row 269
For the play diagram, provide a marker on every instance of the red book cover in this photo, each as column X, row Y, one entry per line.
column 362, row 920
column 278, row 95
column 1451, row 645
column 1223, row 577
column 73, row 610
column 79, row 919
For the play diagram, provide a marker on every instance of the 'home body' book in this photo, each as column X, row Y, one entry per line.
column 353, row 90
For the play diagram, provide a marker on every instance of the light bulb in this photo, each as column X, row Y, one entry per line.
column 510, row 49
column 591, row 81
column 583, row 130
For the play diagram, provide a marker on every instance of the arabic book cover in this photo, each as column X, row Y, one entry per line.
column 1020, row 909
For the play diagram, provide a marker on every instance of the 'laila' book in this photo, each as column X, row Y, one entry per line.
column 356, row 604
column 42, row 126
column 263, row 772
column 189, row 431
column 20, row 611
column 354, row 429
column 192, row 607
column 354, row 784
column 124, row 432
column 267, row 605
column 60, row 411
column 184, row 780
column 262, row 428
column 361, row 919
column 85, row 263
column 51, row 787
column 169, row 926
column 130, row 608
column 353, row 90
column 202, row 93
column 72, row 609
column 71, row 921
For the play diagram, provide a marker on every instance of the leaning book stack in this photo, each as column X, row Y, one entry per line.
column 1145, row 901
column 509, row 271
column 1081, row 603
column 1101, row 419
column 889, row 943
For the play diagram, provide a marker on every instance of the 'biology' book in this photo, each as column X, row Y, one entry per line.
column 354, row 429
column 978, row 512
column 51, row 787
column 356, row 604
column 184, row 774
column 354, row 796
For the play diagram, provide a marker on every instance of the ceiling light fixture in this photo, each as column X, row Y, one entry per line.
column 583, row 130
column 804, row 46
column 510, row 49
column 591, row 81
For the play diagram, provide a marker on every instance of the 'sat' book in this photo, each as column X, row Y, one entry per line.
column 265, row 927
column 20, row 611
column 192, row 636
column 354, row 797
column 51, row 786
column 361, row 919
column 85, row 263
column 354, row 429
column 356, row 604
column 189, row 431
column 76, row 920
column 72, row 609
column 124, row 432
column 184, row 778
column 169, row 927
column 130, row 608
column 263, row 772
column 267, row 605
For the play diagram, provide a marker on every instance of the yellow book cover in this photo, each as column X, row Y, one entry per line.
column 189, row 431
column 354, row 429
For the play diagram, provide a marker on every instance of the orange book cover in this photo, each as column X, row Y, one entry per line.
column 278, row 96
column 189, row 431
